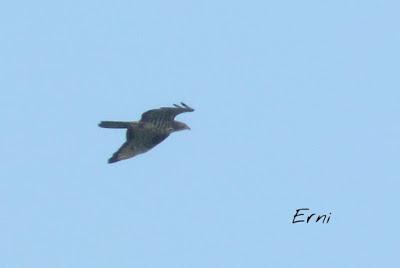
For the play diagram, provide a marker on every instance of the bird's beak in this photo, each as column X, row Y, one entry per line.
column 188, row 128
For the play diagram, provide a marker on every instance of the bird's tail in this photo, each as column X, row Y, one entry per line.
column 115, row 124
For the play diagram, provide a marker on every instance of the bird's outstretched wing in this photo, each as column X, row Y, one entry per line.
column 124, row 152
column 137, row 144
column 165, row 113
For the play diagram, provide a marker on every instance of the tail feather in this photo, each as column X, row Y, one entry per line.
column 114, row 124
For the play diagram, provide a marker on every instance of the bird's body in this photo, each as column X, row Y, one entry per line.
column 154, row 127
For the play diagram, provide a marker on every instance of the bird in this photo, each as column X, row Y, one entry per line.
column 154, row 127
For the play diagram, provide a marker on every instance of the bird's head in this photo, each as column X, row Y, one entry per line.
column 178, row 126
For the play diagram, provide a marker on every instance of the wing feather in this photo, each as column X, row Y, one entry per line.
column 165, row 113
column 138, row 143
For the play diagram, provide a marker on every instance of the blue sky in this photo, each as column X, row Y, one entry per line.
column 297, row 105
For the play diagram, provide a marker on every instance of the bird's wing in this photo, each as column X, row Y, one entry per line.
column 124, row 152
column 164, row 114
column 138, row 143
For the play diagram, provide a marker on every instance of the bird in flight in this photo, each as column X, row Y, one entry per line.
column 154, row 126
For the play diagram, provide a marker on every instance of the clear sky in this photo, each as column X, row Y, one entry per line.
column 297, row 106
